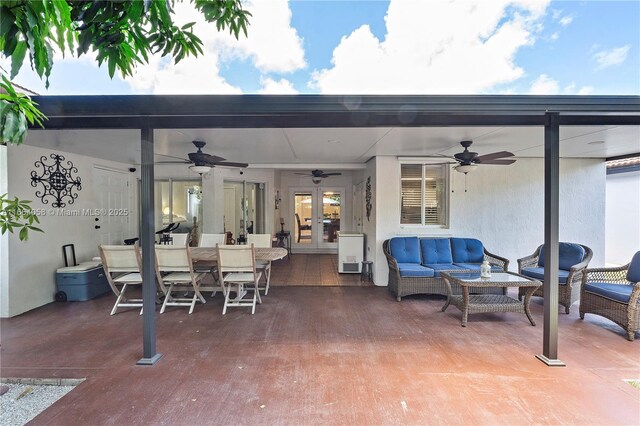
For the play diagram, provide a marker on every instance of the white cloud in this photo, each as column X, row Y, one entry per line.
column 586, row 90
column 281, row 87
column 612, row 57
column 566, row 20
column 555, row 36
column 447, row 47
column 572, row 89
column 272, row 45
column 544, row 85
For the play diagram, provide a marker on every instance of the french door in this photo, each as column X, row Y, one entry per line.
column 316, row 217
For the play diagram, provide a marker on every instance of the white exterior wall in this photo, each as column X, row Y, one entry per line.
column 503, row 207
column 622, row 217
column 28, row 268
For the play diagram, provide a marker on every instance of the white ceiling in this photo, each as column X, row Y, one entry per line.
column 298, row 146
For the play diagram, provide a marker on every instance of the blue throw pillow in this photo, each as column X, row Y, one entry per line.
column 570, row 254
column 633, row 273
column 405, row 249
column 467, row 250
column 435, row 250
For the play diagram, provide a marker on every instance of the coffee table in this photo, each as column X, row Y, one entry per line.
column 480, row 303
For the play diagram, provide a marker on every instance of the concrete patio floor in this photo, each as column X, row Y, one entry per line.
column 324, row 355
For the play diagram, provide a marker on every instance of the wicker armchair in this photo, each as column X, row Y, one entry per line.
column 404, row 286
column 596, row 296
column 566, row 294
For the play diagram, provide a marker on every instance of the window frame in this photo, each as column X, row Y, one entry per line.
column 446, row 195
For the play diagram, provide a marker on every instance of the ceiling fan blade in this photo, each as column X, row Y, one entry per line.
column 493, row 156
column 202, row 157
column 331, row 174
column 499, row 162
column 303, row 174
column 173, row 162
column 230, row 164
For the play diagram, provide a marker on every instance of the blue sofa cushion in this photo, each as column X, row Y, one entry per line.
column 476, row 267
column 467, row 250
column 538, row 274
column 633, row 273
column 405, row 249
column 570, row 254
column 437, row 267
column 414, row 270
column 435, row 250
column 617, row 292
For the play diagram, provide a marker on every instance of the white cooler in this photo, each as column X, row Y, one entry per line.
column 350, row 252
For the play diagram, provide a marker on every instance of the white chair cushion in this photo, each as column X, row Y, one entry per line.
column 129, row 278
column 241, row 277
column 181, row 277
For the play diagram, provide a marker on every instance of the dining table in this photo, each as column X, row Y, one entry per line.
column 263, row 254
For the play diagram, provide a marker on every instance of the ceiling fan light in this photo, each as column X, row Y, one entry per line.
column 200, row 169
column 465, row 168
column 316, row 179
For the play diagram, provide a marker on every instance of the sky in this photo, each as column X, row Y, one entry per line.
column 539, row 47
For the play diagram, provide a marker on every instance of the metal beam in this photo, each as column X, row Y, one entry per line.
column 320, row 119
column 147, row 240
column 551, row 252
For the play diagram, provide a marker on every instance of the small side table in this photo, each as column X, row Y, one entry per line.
column 284, row 241
column 367, row 271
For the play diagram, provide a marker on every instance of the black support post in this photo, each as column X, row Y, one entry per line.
column 551, row 256
column 147, row 242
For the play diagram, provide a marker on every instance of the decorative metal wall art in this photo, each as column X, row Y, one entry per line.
column 368, row 198
column 57, row 181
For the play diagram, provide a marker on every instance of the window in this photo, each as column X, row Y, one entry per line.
column 424, row 194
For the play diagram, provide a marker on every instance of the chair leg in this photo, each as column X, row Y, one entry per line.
column 253, row 307
column 167, row 298
column 631, row 335
column 257, row 292
column 118, row 299
column 193, row 303
column 226, row 300
column 267, row 273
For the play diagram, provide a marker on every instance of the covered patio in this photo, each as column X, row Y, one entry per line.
column 316, row 355
column 352, row 354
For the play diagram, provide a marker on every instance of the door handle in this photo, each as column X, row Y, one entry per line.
column 97, row 226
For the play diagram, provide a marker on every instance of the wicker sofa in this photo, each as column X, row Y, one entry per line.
column 415, row 263
column 574, row 259
column 614, row 293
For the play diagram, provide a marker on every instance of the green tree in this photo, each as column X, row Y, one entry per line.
column 122, row 33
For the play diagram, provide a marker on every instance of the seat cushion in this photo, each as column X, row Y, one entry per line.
column 435, row 250
column 476, row 267
column 633, row 273
column 414, row 270
column 132, row 278
column 437, row 267
column 570, row 254
column 182, row 277
column 405, row 249
column 538, row 274
column 618, row 292
column 467, row 250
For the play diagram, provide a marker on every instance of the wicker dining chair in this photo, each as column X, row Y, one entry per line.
column 614, row 293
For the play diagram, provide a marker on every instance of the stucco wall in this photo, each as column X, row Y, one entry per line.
column 622, row 217
column 30, row 275
column 503, row 207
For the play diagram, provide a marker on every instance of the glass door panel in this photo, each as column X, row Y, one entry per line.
column 303, row 207
column 317, row 217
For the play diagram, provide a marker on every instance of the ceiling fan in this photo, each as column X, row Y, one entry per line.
column 203, row 162
column 468, row 160
column 317, row 175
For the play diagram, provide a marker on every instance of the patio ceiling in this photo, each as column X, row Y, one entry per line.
column 295, row 146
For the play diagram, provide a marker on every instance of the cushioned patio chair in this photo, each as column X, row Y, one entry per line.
column 614, row 293
column 574, row 259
